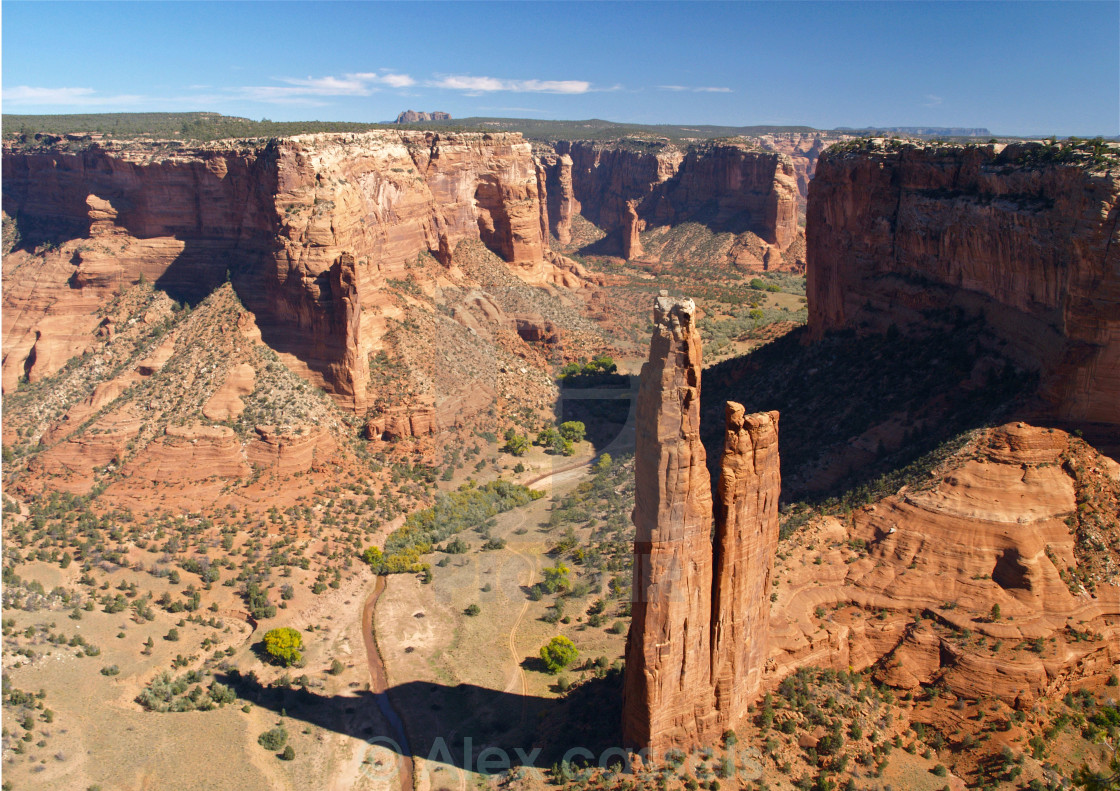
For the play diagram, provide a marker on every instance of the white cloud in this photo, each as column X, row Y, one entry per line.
column 86, row 97
column 390, row 78
column 699, row 89
column 308, row 90
column 397, row 80
column 932, row 101
column 475, row 86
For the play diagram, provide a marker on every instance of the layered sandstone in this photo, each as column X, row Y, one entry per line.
column 630, row 187
column 993, row 529
column 900, row 233
column 669, row 646
column 697, row 643
column 746, row 540
column 558, row 195
column 309, row 230
column 803, row 150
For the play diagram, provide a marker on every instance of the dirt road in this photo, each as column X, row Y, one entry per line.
column 379, row 686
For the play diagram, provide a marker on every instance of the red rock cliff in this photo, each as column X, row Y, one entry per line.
column 633, row 186
column 308, row 228
column 698, row 639
column 896, row 231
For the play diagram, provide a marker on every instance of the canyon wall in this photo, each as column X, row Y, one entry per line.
column 630, row 186
column 803, row 151
column 901, row 233
column 697, row 642
column 307, row 228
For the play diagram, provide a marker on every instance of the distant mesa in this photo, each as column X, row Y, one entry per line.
column 413, row 117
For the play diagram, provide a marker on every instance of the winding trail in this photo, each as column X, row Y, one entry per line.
column 531, row 564
column 379, row 686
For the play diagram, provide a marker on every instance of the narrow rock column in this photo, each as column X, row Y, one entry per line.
column 698, row 638
column 746, row 542
column 667, row 690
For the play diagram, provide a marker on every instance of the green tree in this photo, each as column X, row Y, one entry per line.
column 473, row 610
column 374, row 557
column 556, row 578
column 546, row 437
column 603, row 464
column 558, row 653
column 516, row 444
column 573, row 430
column 284, row 643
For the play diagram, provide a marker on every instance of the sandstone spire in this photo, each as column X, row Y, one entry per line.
column 668, row 646
column 697, row 642
column 746, row 541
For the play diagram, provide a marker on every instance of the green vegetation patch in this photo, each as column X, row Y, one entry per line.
column 465, row 508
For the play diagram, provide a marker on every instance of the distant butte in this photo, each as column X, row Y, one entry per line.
column 413, row 117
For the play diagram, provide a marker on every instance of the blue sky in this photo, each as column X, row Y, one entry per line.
column 1029, row 68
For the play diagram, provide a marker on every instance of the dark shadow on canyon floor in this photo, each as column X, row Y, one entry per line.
column 856, row 410
column 604, row 403
column 454, row 724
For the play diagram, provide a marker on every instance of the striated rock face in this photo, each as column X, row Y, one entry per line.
column 697, row 642
column 729, row 187
column 307, row 228
column 898, row 232
column 746, row 541
column 560, row 203
column 668, row 648
column 803, row 150
column 993, row 528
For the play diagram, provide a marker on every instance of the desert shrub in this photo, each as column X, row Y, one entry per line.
column 452, row 513
column 274, row 738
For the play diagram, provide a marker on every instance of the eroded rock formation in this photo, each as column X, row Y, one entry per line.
column 902, row 584
column 899, row 233
column 629, row 187
column 415, row 117
column 308, row 229
column 697, row 642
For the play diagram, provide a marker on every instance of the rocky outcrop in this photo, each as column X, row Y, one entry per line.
column 632, row 186
column 746, row 541
column 308, row 229
column 414, row 117
column 189, row 454
column 558, row 195
column 900, row 234
column 697, row 641
column 993, row 528
column 803, row 151
column 226, row 402
column 285, row 451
